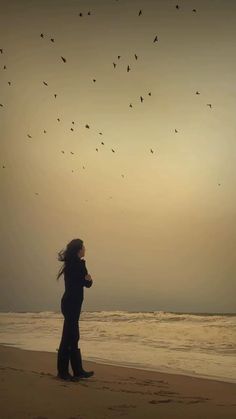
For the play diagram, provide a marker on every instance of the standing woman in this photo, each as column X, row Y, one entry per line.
column 76, row 277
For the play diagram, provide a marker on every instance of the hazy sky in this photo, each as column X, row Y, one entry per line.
column 163, row 237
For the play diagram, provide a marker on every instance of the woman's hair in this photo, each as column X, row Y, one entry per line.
column 69, row 254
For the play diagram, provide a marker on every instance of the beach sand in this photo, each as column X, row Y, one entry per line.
column 29, row 388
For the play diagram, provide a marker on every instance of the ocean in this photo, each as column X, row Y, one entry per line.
column 201, row 345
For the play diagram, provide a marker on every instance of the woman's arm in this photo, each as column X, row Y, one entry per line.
column 87, row 280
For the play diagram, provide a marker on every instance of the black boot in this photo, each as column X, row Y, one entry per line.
column 76, row 364
column 63, row 364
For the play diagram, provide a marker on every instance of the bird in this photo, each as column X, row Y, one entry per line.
column 197, row 92
column 151, row 150
column 73, row 122
column 72, row 171
column 141, row 98
column 155, row 39
column 1, row 105
column 122, row 175
column 114, row 65
column 209, row 104
column 1, row 50
column 9, row 83
column 118, row 56
column 94, row 80
column 140, row 12
column 80, row 14
column 72, row 152
column 58, row 119
column 52, row 39
column 194, row 10
column 219, row 184
column 28, row 135
column 42, row 35
column 3, row 167
column 4, row 67
column 136, row 57
column 44, row 131
column 130, row 105
column 55, row 95
column 128, row 68
column 36, row 193
column 63, row 59
column 100, row 133
column 102, row 142
column 113, row 151
column 149, row 94
column 89, row 13
column 72, row 129
column 83, row 167
column 45, row 83
column 96, row 149
column 62, row 151
column 176, row 130
column 177, row 6
column 86, row 126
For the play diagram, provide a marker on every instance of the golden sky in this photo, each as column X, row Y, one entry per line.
column 163, row 236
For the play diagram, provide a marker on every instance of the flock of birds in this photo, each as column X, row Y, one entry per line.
column 128, row 69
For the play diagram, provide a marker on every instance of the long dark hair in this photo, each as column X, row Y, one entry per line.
column 69, row 254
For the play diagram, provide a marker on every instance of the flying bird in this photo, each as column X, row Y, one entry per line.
column 136, row 57
column 149, row 94
column 128, row 68
column 73, row 122
column 114, row 65
column 42, row 35
column 194, row 10
column 4, row 67
column 44, row 131
column 94, row 80
column 63, row 59
column 130, row 105
column 9, row 83
column 100, row 133
column 197, row 92
column 45, row 83
column 102, row 142
column 140, row 12
column 55, row 95
column 118, row 57
column 209, row 104
column 177, row 6
column 1, row 50
column 96, row 149
column 52, row 39
column 141, row 98
column 1, row 105
column 72, row 129
column 62, row 151
column 113, row 151
column 29, row 136
column 122, row 175
column 58, row 119
column 72, row 152
column 219, row 184
column 80, row 14
column 176, row 130
column 151, row 150
column 3, row 167
column 155, row 39
column 89, row 13
column 36, row 193
column 86, row 126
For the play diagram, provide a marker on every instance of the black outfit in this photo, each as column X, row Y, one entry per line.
column 71, row 304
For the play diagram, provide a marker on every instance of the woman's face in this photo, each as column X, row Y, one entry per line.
column 81, row 252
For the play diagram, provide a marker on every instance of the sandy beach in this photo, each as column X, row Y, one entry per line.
column 30, row 389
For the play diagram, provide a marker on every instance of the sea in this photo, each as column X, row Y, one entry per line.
column 193, row 344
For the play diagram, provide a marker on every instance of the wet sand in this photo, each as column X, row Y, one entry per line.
column 30, row 389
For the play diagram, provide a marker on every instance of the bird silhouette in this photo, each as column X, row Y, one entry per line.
column 63, row 59
column 63, row 151
column 36, row 193
column 118, row 57
column 83, row 167
column 89, row 13
column 58, row 119
column 100, row 133
column 122, row 175
column 73, row 122
column 94, row 80
column 86, row 126
column 42, row 35
column 4, row 67
column 80, row 14
column 44, row 131
column 45, row 83
column 1, row 105
column 55, row 95
column 149, row 94
column 219, row 184
column 194, row 10
column 176, row 130
column 28, row 135
column 3, row 167
column 96, row 149
column 141, row 98
column 128, row 68
column 209, row 104
column 72, row 129
column 140, row 12
column 113, row 151
column 72, row 152
column 102, row 142
column 114, row 65
column 155, row 39
column 1, row 50
column 177, row 6
column 52, row 39
column 9, row 83
column 197, row 92
column 151, row 150
column 130, row 105
column 136, row 57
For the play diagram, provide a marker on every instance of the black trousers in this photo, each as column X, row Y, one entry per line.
column 68, row 351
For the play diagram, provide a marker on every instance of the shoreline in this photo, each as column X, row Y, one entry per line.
column 30, row 388
column 135, row 366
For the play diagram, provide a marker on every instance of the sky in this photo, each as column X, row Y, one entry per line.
column 158, row 226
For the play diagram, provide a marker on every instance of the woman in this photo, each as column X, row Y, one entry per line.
column 76, row 277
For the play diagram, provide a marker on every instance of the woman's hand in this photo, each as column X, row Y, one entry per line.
column 88, row 277
column 88, row 281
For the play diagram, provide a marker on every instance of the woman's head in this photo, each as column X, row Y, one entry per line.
column 74, row 250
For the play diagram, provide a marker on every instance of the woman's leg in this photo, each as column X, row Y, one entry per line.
column 63, row 355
